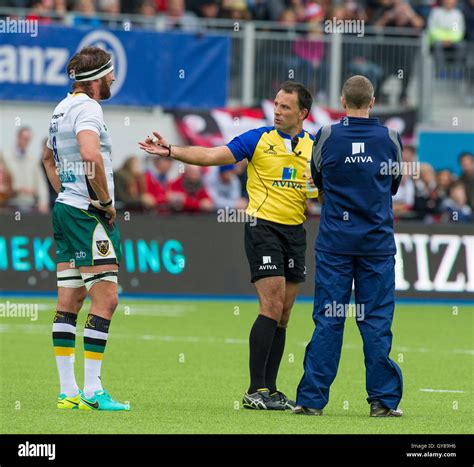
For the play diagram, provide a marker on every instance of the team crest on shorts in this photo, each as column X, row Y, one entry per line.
column 103, row 247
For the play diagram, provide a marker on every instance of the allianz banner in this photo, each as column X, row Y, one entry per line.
column 169, row 69
column 200, row 255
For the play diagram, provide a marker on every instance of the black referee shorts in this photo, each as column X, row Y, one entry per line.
column 276, row 250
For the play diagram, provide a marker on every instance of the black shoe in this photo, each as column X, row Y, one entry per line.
column 379, row 410
column 300, row 410
column 261, row 400
column 279, row 397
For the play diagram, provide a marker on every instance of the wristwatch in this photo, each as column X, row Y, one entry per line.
column 106, row 204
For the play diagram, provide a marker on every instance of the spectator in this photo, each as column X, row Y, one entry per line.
column 29, row 185
column 236, row 10
column 288, row 17
column 349, row 10
column 208, row 9
column 455, row 206
column 188, row 194
column 468, row 11
column 404, row 200
column 298, row 8
column 146, row 9
column 223, row 186
column 444, row 179
column 422, row 7
column 162, row 5
column 111, row 8
column 40, row 11
column 446, row 31
column 266, row 10
column 356, row 54
column 157, row 181
column 86, row 14
column 466, row 159
column 6, row 185
column 176, row 17
column 427, row 202
column 130, row 192
column 60, row 8
column 379, row 8
column 308, row 53
column 401, row 15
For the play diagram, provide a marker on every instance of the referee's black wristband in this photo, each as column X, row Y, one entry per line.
column 106, row 204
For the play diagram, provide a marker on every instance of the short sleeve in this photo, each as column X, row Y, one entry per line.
column 243, row 146
column 48, row 143
column 397, row 177
column 316, row 159
column 89, row 117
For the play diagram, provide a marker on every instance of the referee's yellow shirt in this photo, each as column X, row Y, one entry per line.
column 276, row 185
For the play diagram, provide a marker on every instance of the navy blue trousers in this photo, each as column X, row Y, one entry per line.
column 374, row 281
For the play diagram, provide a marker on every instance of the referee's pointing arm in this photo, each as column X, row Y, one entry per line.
column 195, row 155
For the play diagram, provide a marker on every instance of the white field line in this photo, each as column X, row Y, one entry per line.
column 442, row 390
column 46, row 328
column 159, row 310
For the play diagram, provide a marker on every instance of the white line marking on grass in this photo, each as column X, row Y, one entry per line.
column 157, row 310
column 441, row 390
column 196, row 340
column 46, row 328
column 464, row 351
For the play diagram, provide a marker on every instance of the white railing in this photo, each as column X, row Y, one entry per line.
column 263, row 54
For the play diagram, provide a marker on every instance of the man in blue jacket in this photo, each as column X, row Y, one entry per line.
column 357, row 165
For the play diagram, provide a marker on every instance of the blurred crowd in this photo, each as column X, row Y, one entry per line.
column 157, row 185
column 449, row 25
column 437, row 16
column 142, row 184
column 435, row 196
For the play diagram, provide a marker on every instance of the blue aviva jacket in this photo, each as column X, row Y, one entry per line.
column 357, row 164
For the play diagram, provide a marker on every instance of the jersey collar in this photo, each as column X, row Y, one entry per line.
column 285, row 136
column 367, row 121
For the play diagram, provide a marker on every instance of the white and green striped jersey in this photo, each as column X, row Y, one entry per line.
column 73, row 114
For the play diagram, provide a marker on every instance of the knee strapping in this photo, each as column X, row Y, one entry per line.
column 91, row 278
column 69, row 278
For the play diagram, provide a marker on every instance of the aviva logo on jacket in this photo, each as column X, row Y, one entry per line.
column 288, row 178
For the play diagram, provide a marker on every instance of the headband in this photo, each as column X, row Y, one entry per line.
column 95, row 74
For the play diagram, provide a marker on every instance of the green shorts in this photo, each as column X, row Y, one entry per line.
column 84, row 237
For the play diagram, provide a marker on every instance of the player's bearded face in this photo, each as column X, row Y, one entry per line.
column 104, row 88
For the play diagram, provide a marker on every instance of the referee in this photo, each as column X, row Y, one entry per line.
column 276, row 243
column 350, row 164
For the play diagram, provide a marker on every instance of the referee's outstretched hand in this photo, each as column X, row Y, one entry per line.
column 157, row 146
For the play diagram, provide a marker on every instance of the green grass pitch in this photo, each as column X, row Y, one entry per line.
column 183, row 365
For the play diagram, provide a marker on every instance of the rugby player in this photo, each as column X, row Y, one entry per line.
column 79, row 166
